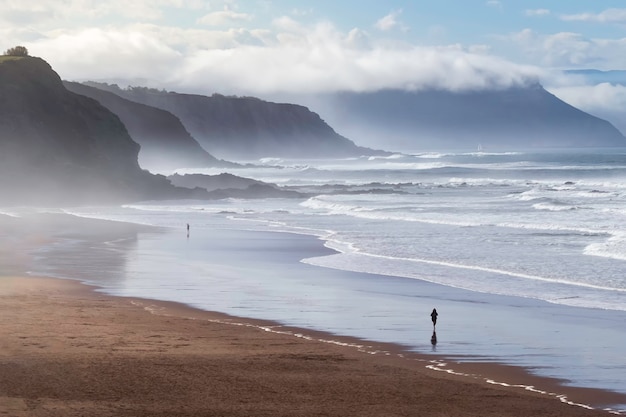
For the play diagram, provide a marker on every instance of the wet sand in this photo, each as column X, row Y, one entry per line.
column 66, row 350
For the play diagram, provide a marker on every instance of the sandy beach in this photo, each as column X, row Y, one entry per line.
column 67, row 350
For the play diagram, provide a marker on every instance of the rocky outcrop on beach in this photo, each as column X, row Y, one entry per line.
column 60, row 147
column 231, row 186
column 165, row 143
column 245, row 128
column 213, row 182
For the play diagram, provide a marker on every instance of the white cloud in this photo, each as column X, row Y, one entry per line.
column 22, row 13
column 479, row 49
column 77, row 12
column 389, row 21
column 494, row 3
column 301, row 12
column 98, row 54
column 224, row 18
column 537, row 12
column 607, row 16
column 286, row 24
column 357, row 39
column 287, row 57
column 326, row 60
column 594, row 98
column 570, row 50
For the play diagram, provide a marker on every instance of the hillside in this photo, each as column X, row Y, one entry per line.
column 499, row 120
column 165, row 143
column 245, row 128
column 57, row 147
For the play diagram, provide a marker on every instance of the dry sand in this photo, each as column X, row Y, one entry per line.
column 66, row 350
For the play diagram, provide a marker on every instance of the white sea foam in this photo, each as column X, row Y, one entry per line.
column 614, row 247
column 360, row 211
column 461, row 283
column 554, row 206
column 481, row 182
column 430, row 155
column 387, row 157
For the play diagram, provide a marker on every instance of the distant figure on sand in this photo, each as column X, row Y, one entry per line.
column 433, row 316
column 187, row 229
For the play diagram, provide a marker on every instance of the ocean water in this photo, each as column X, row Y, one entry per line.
column 550, row 226
column 543, row 234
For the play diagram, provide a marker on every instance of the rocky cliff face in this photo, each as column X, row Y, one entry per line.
column 61, row 147
column 165, row 143
column 243, row 128
column 512, row 119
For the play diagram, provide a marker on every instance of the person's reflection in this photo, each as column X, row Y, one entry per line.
column 433, row 340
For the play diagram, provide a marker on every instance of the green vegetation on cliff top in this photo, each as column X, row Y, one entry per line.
column 5, row 58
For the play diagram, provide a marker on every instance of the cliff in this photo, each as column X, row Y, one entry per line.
column 165, row 143
column 518, row 118
column 244, row 128
column 57, row 147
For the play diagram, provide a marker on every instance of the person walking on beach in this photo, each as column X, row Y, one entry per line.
column 433, row 316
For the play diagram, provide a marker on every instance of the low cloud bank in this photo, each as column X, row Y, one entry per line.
column 289, row 59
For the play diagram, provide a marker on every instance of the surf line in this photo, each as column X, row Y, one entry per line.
column 434, row 365
column 561, row 397
column 357, row 252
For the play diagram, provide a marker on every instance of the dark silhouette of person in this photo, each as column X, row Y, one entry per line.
column 433, row 316
column 187, row 229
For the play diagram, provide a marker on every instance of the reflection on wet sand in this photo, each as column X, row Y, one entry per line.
column 60, row 245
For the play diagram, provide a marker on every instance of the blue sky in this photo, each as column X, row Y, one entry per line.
column 261, row 47
column 465, row 21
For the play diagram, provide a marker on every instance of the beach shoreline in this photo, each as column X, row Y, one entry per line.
column 148, row 357
column 23, row 236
